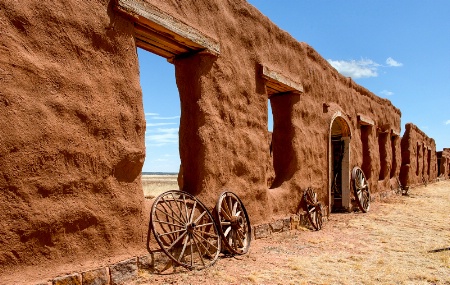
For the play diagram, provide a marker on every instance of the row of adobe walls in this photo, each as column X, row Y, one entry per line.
column 72, row 122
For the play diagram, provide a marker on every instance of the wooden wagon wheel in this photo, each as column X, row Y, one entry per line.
column 233, row 223
column 361, row 189
column 313, row 209
column 185, row 230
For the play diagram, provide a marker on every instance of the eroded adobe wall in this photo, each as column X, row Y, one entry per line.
column 72, row 123
column 444, row 163
column 419, row 161
column 71, row 133
column 225, row 99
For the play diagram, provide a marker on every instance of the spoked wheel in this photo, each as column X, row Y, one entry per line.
column 361, row 189
column 313, row 209
column 233, row 223
column 185, row 229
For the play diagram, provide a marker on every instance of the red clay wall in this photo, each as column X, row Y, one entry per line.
column 419, row 161
column 72, row 133
column 72, row 143
column 444, row 163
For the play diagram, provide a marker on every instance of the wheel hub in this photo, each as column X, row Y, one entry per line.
column 237, row 222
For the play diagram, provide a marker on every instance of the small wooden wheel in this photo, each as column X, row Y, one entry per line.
column 313, row 209
column 185, row 230
column 233, row 223
column 361, row 189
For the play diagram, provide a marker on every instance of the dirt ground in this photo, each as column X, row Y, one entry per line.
column 389, row 245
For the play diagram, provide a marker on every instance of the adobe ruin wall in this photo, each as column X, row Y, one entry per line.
column 419, row 161
column 72, row 143
column 72, row 134
column 443, row 162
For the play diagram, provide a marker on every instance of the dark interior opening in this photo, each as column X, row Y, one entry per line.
column 382, row 140
column 394, row 156
column 366, row 165
column 417, row 160
column 337, row 155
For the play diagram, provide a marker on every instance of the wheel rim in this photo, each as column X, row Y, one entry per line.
column 361, row 189
column 313, row 209
column 185, row 230
column 233, row 223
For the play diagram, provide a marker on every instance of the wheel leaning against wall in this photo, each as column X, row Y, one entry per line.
column 361, row 189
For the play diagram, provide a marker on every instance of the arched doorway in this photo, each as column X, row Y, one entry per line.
column 339, row 164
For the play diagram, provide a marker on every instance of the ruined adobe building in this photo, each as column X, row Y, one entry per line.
column 443, row 163
column 72, row 121
column 419, row 162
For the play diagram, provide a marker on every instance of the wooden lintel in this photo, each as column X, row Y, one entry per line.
column 395, row 132
column 365, row 120
column 168, row 30
column 278, row 83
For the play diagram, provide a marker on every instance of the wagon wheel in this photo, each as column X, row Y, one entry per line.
column 233, row 223
column 361, row 189
column 185, row 230
column 313, row 209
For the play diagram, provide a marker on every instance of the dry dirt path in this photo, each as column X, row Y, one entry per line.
column 388, row 245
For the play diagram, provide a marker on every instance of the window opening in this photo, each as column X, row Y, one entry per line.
column 161, row 101
column 394, row 156
column 270, row 172
column 429, row 162
column 366, row 165
column 382, row 140
column 417, row 160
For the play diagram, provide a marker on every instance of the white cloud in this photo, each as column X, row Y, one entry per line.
column 392, row 62
column 356, row 68
column 447, row 122
column 159, row 124
column 166, row 118
column 386, row 93
column 151, row 114
column 160, row 136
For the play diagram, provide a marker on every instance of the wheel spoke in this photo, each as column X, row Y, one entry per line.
column 171, row 209
column 168, row 215
column 169, row 233
column 186, row 240
column 207, row 241
column 225, row 214
column 192, row 213
column 176, row 241
column 198, row 250
column 199, row 217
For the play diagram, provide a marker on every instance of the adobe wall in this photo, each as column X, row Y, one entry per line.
column 72, row 133
column 443, row 158
column 231, row 104
column 72, row 144
column 419, row 161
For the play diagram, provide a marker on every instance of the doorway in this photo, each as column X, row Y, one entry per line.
column 339, row 159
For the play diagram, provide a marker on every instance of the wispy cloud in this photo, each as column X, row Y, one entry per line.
column 386, row 93
column 447, row 122
column 362, row 68
column 151, row 114
column 393, row 63
column 162, row 136
column 166, row 118
column 159, row 124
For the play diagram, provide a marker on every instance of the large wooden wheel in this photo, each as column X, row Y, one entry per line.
column 185, row 229
column 361, row 189
column 233, row 223
column 313, row 209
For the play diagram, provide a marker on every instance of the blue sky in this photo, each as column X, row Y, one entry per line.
column 399, row 50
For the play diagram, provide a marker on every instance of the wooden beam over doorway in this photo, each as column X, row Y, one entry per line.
column 163, row 34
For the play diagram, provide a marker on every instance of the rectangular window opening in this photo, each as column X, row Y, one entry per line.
column 161, row 102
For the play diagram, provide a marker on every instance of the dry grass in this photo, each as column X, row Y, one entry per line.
column 153, row 185
column 388, row 245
